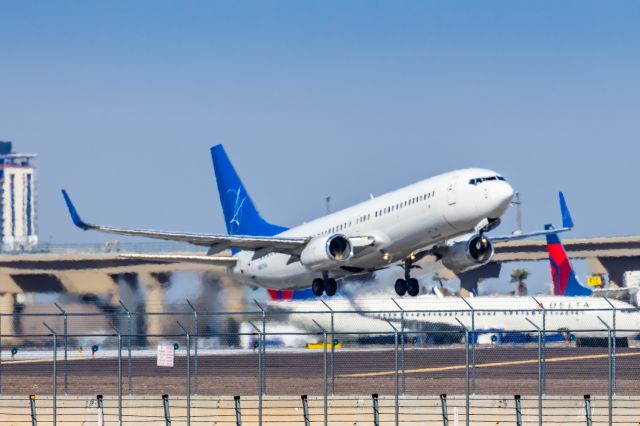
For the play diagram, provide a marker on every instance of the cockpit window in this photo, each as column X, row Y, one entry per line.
column 478, row 181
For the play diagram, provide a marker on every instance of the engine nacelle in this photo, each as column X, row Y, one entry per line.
column 463, row 255
column 326, row 252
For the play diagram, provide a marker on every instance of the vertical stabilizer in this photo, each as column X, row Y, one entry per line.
column 240, row 214
column 564, row 278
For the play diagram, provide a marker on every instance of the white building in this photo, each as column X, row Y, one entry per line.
column 18, row 209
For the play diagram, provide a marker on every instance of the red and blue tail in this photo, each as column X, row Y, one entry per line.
column 564, row 278
column 290, row 294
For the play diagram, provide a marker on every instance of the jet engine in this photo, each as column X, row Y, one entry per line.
column 464, row 254
column 326, row 252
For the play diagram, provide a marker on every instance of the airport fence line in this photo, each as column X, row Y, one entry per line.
column 334, row 357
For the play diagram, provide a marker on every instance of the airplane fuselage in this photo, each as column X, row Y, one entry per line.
column 401, row 223
column 578, row 315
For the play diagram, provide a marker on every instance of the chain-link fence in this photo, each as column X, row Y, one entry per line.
column 331, row 366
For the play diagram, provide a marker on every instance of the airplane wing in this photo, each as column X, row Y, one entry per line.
column 215, row 242
column 567, row 225
column 171, row 258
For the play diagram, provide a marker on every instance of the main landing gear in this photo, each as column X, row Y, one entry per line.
column 407, row 285
column 326, row 285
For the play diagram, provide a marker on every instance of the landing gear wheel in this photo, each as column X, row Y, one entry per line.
column 317, row 287
column 401, row 287
column 330, row 287
column 413, row 288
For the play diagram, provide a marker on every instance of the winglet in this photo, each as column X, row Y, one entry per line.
column 75, row 217
column 567, row 221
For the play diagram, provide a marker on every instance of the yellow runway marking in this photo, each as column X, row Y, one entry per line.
column 36, row 360
column 490, row 364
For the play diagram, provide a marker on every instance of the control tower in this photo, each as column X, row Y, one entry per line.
column 17, row 200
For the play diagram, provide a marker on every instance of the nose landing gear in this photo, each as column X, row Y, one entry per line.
column 326, row 285
column 407, row 285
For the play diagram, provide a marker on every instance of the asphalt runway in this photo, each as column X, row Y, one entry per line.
column 428, row 371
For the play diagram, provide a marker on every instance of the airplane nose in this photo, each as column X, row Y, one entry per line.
column 501, row 196
column 505, row 193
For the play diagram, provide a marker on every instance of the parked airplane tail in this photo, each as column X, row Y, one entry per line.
column 564, row 278
column 240, row 214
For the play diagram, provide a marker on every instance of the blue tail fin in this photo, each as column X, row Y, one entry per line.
column 240, row 214
column 564, row 278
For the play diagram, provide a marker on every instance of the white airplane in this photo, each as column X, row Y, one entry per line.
column 445, row 216
column 428, row 313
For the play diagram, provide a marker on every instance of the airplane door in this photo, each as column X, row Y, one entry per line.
column 451, row 193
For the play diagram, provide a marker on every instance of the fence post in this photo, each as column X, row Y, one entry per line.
column 305, row 410
column 195, row 344
column 100, row 410
column 129, row 328
column 263, row 384
column 473, row 345
column 587, row 409
column 324, row 375
column 544, row 344
column 54, row 373
column 119, row 374
column 376, row 410
column 466, row 372
column 539, row 370
column 165, row 405
column 32, row 403
column 518, row 410
column 66, row 340
column 395, row 373
column 238, row 413
column 445, row 414
column 402, row 343
column 613, row 347
column 119, row 379
column 333, row 350
column 260, row 368
column 188, row 339
column 610, row 365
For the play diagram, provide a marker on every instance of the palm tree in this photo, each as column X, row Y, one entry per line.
column 518, row 275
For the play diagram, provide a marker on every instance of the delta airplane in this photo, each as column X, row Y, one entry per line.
column 445, row 216
column 570, row 308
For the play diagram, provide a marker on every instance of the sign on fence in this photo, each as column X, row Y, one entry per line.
column 165, row 355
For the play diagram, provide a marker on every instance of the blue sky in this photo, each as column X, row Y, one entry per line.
column 121, row 100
